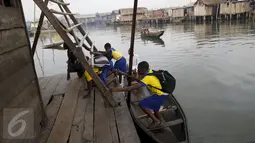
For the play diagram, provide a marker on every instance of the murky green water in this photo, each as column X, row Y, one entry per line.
column 214, row 67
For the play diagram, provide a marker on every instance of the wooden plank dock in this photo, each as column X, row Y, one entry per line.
column 75, row 119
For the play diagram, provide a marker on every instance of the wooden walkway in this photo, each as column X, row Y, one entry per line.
column 74, row 119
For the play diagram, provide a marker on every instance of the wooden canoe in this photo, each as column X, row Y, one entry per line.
column 174, row 130
column 153, row 34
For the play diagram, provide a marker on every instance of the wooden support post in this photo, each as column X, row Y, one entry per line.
column 131, row 53
column 44, row 116
column 38, row 30
column 77, row 52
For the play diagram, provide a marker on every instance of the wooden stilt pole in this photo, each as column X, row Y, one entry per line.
column 131, row 53
column 38, row 30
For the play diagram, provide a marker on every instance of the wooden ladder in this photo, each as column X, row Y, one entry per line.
column 76, row 45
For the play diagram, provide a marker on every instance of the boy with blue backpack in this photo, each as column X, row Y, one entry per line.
column 160, row 83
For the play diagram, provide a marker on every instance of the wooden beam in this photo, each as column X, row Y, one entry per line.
column 61, row 13
column 77, row 52
column 52, row 112
column 72, row 27
column 38, row 30
column 88, row 135
column 102, row 126
column 125, row 124
column 82, row 40
column 77, row 129
column 69, row 24
column 167, row 124
column 79, row 27
column 85, row 46
column 60, row 3
column 61, row 129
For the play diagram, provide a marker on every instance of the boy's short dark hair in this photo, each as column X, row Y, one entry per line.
column 144, row 65
column 107, row 45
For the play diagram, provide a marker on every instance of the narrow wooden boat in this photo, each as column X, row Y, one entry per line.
column 153, row 34
column 173, row 130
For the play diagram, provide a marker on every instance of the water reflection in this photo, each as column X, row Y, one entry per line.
column 156, row 41
column 213, row 66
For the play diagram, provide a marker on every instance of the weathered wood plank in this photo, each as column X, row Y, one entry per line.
column 13, row 85
column 112, row 124
column 13, row 61
column 88, row 135
column 126, row 128
column 49, row 89
column 62, row 85
column 44, row 81
column 63, row 123
column 25, row 96
column 10, row 18
column 79, row 118
column 51, row 112
column 102, row 127
column 12, row 39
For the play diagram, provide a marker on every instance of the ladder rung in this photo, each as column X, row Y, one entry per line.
column 82, row 40
column 59, row 2
column 62, row 13
column 72, row 27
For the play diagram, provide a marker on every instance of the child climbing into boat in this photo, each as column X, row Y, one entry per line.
column 102, row 73
column 152, row 102
column 120, row 63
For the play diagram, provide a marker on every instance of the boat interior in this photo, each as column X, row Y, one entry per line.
column 173, row 128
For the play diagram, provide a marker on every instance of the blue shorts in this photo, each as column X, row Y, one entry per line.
column 121, row 65
column 153, row 102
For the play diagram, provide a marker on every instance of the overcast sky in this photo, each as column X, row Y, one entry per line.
column 93, row 6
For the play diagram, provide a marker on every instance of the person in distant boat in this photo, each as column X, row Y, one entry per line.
column 145, row 30
column 120, row 63
column 151, row 102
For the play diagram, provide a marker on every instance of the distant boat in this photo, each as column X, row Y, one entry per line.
column 153, row 34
